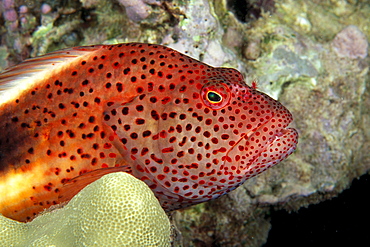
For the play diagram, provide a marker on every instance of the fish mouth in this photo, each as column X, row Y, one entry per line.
column 263, row 147
column 271, row 145
column 284, row 140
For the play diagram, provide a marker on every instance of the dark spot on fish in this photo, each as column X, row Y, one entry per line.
column 140, row 108
column 119, row 87
column 25, row 125
column 126, row 71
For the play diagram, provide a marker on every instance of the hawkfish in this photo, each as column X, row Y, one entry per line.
column 190, row 131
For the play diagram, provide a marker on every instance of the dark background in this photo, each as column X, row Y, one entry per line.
column 342, row 221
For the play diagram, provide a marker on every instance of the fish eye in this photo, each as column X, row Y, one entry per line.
column 214, row 97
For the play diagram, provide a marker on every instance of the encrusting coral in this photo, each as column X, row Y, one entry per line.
column 116, row 210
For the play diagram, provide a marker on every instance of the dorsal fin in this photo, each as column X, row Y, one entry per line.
column 16, row 79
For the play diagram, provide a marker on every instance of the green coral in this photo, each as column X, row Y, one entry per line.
column 116, row 210
column 3, row 56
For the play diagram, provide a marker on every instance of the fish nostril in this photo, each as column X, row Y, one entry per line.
column 246, row 97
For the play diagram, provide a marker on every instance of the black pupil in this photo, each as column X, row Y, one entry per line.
column 214, row 97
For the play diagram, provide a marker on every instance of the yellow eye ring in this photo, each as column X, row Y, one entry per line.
column 214, row 97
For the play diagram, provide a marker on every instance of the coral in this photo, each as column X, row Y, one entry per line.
column 3, row 57
column 116, row 210
column 9, row 13
column 290, row 52
column 45, row 8
column 351, row 43
column 137, row 10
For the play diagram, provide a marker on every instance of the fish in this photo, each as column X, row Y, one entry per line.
column 190, row 131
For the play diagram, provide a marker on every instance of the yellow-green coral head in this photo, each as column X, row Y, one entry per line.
column 116, row 210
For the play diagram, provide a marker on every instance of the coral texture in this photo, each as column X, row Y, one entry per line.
column 116, row 210
column 289, row 48
column 350, row 42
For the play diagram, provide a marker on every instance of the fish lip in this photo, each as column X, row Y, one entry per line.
column 278, row 134
column 282, row 134
column 293, row 143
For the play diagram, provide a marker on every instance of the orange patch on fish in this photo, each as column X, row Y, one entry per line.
column 192, row 132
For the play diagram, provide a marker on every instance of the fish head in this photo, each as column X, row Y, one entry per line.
column 199, row 136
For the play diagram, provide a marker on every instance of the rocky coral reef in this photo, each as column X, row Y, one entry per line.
column 311, row 55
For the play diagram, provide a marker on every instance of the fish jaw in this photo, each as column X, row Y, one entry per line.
column 264, row 146
column 278, row 148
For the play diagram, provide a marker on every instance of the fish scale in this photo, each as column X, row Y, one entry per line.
column 190, row 131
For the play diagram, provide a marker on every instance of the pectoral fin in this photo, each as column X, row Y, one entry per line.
column 74, row 185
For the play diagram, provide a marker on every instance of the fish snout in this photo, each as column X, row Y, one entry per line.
column 271, row 144
column 279, row 147
column 264, row 146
